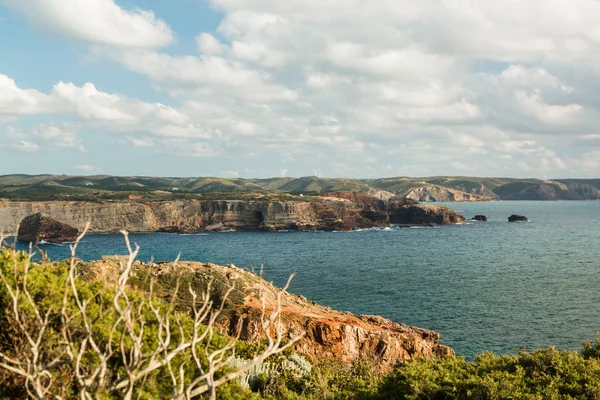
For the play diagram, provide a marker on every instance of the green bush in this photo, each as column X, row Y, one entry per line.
column 40, row 290
column 541, row 374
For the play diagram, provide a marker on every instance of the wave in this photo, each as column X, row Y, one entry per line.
column 386, row 229
column 44, row 242
column 193, row 234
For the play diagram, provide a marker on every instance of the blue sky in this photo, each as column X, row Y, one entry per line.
column 353, row 88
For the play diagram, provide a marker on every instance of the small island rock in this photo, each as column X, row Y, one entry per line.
column 38, row 227
column 481, row 218
column 517, row 218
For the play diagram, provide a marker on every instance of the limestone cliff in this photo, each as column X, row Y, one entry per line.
column 440, row 193
column 327, row 334
column 548, row 190
column 207, row 215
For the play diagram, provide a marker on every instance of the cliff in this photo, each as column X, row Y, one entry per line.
column 548, row 190
column 328, row 334
column 439, row 193
column 206, row 215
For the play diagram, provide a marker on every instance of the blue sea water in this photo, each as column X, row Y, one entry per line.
column 494, row 285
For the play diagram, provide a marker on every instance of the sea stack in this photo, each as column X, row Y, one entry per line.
column 481, row 218
column 517, row 218
column 38, row 227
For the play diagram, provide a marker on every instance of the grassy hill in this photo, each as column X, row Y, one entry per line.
column 103, row 186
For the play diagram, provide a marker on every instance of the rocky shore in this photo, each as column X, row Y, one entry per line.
column 342, row 211
column 327, row 334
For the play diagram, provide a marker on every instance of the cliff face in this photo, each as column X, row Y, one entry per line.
column 327, row 334
column 423, row 214
column 548, row 190
column 440, row 193
column 337, row 213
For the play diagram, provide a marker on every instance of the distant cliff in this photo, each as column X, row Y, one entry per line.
column 189, row 216
column 548, row 190
column 435, row 193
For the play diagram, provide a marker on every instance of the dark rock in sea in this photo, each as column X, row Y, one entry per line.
column 517, row 218
column 169, row 229
column 481, row 218
column 178, row 230
column 38, row 227
column 424, row 214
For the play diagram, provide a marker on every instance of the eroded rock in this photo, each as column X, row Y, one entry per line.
column 328, row 334
column 424, row 214
column 517, row 218
column 39, row 227
column 481, row 218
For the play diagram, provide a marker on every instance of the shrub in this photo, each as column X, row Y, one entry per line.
column 67, row 337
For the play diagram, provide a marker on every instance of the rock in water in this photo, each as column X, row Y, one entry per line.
column 481, row 218
column 424, row 214
column 517, row 218
column 38, row 227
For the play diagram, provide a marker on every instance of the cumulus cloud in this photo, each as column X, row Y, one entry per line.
column 14, row 139
column 14, row 100
column 98, row 109
column 96, row 21
column 24, row 145
column 86, row 168
column 209, row 44
column 63, row 136
column 394, row 87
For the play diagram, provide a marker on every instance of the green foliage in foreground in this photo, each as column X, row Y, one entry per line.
column 47, row 285
column 541, row 374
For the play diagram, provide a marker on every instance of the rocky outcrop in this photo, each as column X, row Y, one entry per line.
column 517, row 218
column 39, row 227
column 436, row 193
column 177, row 230
column 423, row 214
column 343, row 211
column 480, row 218
column 327, row 334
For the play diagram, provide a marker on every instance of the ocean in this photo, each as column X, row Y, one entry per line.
column 485, row 286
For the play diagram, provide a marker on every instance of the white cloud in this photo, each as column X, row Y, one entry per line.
column 14, row 100
column 208, row 44
column 197, row 149
column 141, row 142
column 442, row 85
column 532, row 104
column 24, row 145
column 96, row 21
column 98, row 109
column 14, row 139
column 86, row 168
column 63, row 136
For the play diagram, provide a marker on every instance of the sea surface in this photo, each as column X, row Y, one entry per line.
column 485, row 286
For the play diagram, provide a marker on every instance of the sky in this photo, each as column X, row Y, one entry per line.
column 354, row 88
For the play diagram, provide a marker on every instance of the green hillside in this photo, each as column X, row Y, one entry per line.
column 90, row 187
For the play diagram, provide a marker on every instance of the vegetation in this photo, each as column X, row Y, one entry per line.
column 64, row 333
column 66, row 337
column 104, row 187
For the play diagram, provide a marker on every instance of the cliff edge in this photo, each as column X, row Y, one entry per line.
column 328, row 334
column 344, row 211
